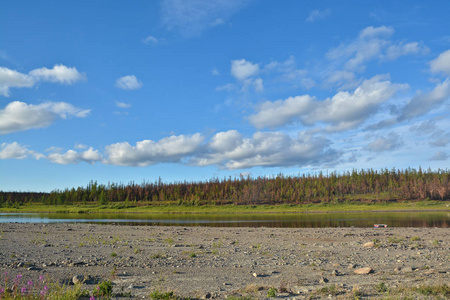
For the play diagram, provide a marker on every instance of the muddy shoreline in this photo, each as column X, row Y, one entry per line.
column 220, row 262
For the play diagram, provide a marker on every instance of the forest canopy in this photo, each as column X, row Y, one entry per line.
column 356, row 186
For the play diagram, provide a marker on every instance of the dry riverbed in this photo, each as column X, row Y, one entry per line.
column 237, row 263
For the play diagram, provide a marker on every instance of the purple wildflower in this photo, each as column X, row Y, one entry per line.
column 2, row 291
column 45, row 288
column 41, row 278
column 92, row 298
column 23, row 290
column 19, row 277
column 30, row 283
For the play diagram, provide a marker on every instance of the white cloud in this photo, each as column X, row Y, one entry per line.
column 230, row 150
column 215, row 72
column 72, row 157
column 423, row 103
column 147, row 152
column 258, row 85
column 372, row 43
column 389, row 142
column 123, row 104
column 19, row 116
column 395, row 51
column 345, row 110
column 441, row 63
column 318, row 14
column 441, row 156
column 242, row 69
column 150, row 40
column 16, row 151
column 59, row 73
column 128, row 82
column 370, row 32
column 13, row 79
column 191, row 18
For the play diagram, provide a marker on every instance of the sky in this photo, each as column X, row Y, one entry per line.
column 122, row 91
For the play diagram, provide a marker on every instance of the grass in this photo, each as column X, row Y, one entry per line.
column 242, row 209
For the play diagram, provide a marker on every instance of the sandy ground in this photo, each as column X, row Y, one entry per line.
column 220, row 263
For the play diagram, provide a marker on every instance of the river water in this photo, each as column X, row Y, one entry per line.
column 298, row 220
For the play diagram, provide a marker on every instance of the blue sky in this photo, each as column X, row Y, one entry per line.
column 120, row 91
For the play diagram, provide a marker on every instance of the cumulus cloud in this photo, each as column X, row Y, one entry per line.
column 16, row 151
column 441, row 63
column 439, row 156
column 318, row 14
column 19, row 116
column 230, row 150
column 58, row 74
column 389, row 142
column 345, row 110
column 421, row 104
column 148, row 152
column 191, row 18
column 128, row 82
column 72, row 157
column 13, row 79
column 242, row 69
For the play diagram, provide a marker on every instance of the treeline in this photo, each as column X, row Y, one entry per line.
column 357, row 185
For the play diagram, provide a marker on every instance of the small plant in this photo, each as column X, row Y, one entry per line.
column 381, row 288
column 114, row 254
column 193, row 254
column 436, row 243
column 415, row 238
column 169, row 241
column 137, row 251
column 395, row 240
column 103, row 289
column 156, row 295
column 272, row 293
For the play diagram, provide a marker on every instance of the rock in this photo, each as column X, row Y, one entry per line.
column 351, row 266
column 255, row 275
column 407, row 270
column 369, row 245
column 323, row 280
column 33, row 268
column 77, row 279
column 206, row 296
column 363, row 270
column 335, row 273
column 131, row 286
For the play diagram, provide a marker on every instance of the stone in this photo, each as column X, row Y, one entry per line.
column 407, row 270
column 206, row 296
column 366, row 270
column 369, row 245
column 78, row 279
column 323, row 280
column 335, row 273
column 255, row 275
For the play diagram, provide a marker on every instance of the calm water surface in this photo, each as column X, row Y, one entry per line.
column 299, row 220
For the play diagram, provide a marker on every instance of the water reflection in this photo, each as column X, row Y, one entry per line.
column 299, row 220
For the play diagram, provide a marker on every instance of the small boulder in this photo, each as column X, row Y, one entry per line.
column 369, row 245
column 77, row 279
column 323, row 280
column 363, row 270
